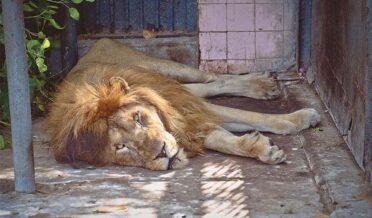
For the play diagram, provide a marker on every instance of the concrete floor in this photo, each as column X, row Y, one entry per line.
column 320, row 178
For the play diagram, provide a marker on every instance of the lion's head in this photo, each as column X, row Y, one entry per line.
column 138, row 137
column 111, row 123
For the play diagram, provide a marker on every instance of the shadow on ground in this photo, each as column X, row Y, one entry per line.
column 319, row 178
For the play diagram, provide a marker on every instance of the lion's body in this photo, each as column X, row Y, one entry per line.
column 192, row 122
column 114, row 107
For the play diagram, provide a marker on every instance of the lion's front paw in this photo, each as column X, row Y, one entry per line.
column 272, row 155
column 261, row 147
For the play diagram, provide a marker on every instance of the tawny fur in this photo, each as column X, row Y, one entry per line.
column 113, row 83
column 85, row 100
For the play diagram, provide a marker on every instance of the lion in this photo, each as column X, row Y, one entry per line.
column 118, row 106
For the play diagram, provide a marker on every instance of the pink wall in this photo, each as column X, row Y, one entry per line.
column 239, row 36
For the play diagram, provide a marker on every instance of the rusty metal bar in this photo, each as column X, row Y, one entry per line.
column 304, row 35
column 368, row 100
column 69, row 45
column 19, row 96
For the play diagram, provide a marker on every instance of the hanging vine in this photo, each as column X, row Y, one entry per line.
column 42, row 23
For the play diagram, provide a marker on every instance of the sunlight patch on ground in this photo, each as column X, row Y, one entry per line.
column 152, row 189
column 224, row 198
column 7, row 174
column 227, row 169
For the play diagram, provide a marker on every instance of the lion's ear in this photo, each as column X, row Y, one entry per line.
column 118, row 83
column 111, row 96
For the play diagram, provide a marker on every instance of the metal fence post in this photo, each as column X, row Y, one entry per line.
column 368, row 99
column 69, row 45
column 305, row 35
column 19, row 95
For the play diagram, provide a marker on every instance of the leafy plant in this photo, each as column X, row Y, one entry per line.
column 2, row 142
column 42, row 21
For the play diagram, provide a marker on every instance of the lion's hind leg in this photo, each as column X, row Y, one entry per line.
column 253, row 145
column 108, row 51
column 253, row 85
column 240, row 121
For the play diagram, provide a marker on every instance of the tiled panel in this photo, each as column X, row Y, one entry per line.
column 269, row 17
column 212, row 17
column 271, row 64
column 290, row 44
column 240, row 66
column 215, row 66
column 268, row 1
column 241, row 36
column 240, row 45
column 240, row 17
column 212, row 46
column 212, row 1
column 269, row 44
column 290, row 12
column 239, row 1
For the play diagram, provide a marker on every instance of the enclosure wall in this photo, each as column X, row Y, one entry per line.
column 339, row 66
column 246, row 35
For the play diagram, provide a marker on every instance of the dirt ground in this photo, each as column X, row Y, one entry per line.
column 320, row 178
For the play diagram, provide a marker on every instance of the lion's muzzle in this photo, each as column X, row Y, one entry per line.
column 172, row 160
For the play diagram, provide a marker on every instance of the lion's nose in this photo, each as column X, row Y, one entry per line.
column 162, row 153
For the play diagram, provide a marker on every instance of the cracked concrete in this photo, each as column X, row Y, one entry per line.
column 320, row 178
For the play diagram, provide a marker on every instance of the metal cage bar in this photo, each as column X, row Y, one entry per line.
column 19, row 96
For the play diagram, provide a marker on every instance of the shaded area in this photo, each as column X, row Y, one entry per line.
column 340, row 67
column 319, row 177
column 173, row 17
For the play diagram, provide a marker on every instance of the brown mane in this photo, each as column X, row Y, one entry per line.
column 84, row 101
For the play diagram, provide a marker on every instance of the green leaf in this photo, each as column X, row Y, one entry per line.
column 27, row 8
column 46, row 44
column 32, row 45
column 34, row 48
column 41, row 35
column 48, row 13
column 41, row 107
column 90, row 0
column 32, row 84
column 39, row 84
column 2, row 143
column 1, row 37
column 52, row 6
column 5, row 107
column 77, row 1
column 2, row 75
column 40, row 65
column 74, row 13
column 33, row 4
column 54, row 24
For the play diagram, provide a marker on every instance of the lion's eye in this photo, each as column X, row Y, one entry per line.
column 120, row 146
column 138, row 119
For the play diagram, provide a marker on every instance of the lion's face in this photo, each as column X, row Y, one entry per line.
column 137, row 137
